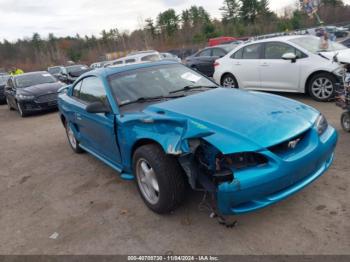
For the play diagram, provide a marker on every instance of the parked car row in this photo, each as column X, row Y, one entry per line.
column 333, row 30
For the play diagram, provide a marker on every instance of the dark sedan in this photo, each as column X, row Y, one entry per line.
column 3, row 80
column 203, row 60
column 69, row 74
column 32, row 92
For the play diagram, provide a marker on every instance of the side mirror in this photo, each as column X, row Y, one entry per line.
column 290, row 56
column 63, row 90
column 97, row 107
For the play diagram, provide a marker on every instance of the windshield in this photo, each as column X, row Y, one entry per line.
column 34, row 79
column 315, row 44
column 3, row 79
column 76, row 68
column 54, row 70
column 156, row 81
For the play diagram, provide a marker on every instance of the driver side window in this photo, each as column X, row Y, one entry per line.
column 76, row 89
column 92, row 90
column 277, row 50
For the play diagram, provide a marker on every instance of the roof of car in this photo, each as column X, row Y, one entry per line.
column 115, row 70
column 279, row 38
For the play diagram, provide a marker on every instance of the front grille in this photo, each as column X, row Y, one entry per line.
column 46, row 98
column 284, row 148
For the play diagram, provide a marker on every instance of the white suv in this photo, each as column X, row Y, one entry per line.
column 284, row 64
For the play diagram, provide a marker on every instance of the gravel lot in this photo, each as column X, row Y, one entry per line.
column 46, row 188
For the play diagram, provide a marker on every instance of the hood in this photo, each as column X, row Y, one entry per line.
column 241, row 120
column 343, row 55
column 41, row 89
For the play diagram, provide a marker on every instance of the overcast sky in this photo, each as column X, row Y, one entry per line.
column 20, row 18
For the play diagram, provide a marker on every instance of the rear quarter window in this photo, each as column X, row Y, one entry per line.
column 238, row 54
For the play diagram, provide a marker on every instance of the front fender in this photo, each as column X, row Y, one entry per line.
column 172, row 134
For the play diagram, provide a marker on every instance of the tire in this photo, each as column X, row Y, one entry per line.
column 73, row 142
column 21, row 111
column 9, row 105
column 163, row 189
column 345, row 121
column 321, row 87
column 229, row 81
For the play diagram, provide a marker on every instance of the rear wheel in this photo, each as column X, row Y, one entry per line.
column 229, row 81
column 345, row 121
column 322, row 87
column 73, row 142
column 159, row 178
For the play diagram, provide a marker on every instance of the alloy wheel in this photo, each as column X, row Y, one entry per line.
column 229, row 82
column 322, row 88
column 147, row 181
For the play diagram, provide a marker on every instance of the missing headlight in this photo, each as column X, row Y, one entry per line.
column 239, row 161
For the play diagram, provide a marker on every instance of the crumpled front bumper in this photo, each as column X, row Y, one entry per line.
column 284, row 175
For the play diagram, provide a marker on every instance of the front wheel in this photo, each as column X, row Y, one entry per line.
column 345, row 121
column 229, row 81
column 159, row 178
column 322, row 87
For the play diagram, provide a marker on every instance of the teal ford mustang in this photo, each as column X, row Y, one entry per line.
column 166, row 126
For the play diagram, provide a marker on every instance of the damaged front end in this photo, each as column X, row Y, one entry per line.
column 207, row 168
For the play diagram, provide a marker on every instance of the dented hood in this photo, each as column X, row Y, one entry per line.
column 343, row 55
column 241, row 120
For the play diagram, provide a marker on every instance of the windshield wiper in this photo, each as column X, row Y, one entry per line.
column 191, row 87
column 149, row 99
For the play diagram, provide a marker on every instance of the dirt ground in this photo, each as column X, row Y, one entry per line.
column 45, row 188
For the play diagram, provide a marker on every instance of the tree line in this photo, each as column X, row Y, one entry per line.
column 169, row 30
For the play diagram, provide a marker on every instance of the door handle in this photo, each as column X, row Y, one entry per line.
column 238, row 63
column 264, row 64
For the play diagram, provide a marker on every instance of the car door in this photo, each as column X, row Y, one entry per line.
column 276, row 73
column 97, row 131
column 245, row 66
column 203, row 62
